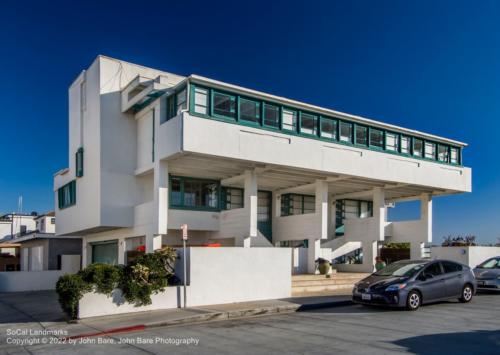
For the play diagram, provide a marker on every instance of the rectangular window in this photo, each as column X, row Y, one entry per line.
column 405, row 145
column 232, row 198
column 345, row 132
column 376, row 138
column 430, row 150
column 171, row 108
column 224, row 105
column 79, row 162
column 181, row 100
column 66, row 195
column 249, row 110
column 201, row 101
column 361, row 135
column 328, row 128
column 105, row 252
column 272, row 116
column 418, row 148
column 454, row 159
column 194, row 193
column 52, row 221
column 443, row 153
column 308, row 123
column 392, row 142
column 289, row 118
column 295, row 204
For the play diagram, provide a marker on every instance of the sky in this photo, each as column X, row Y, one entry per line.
column 433, row 66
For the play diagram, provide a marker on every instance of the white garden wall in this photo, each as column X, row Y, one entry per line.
column 18, row 281
column 215, row 276
column 471, row 256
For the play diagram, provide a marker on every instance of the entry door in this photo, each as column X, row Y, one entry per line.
column 106, row 252
column 264, row 210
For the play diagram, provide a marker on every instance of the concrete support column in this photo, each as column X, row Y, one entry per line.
column 416, row 250
column 250, row 205
column 161, row 197
column 426, row 215
column 379, row 212
column 370, row 251
column 121, row 251
column 313, row 250
column 84, row 252
column 333, row 219
column 153, row 242
column 321, row 208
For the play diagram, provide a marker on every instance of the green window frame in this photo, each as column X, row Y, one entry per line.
column 345, row 132
column 249, row 110
column 232, row 198
column 297, row 204
column 443, row 153
column 308, row 124
column 430, row 150
column 418, row 148
column 200, row 99
column 181, row 100
column 223, row 105
column 392, row 142
column 376, row 138
column 271, row 115
column 289, row 119
column 454, row 155
column 79, row 162
column 353, row 208
column 66, row 195
column 171, row 106
column 361, row 135
column 328, row 128
column 194, row 193
column 405, row 145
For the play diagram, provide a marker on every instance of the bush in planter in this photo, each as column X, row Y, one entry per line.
column 105, row 277
column 71, row 289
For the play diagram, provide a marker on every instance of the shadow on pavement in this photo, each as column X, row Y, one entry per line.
column 474, row 342
column 27, row 307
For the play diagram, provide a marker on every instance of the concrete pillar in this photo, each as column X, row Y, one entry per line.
column 250, row 204
column 321, row 209
column 416, row 250
column 369, row 253
column 84, row 252
column 333, row 219
column 313, row 250
column 153, row 242
column 161, row 197
column 426, row 215
column 379, row 212
column 121, row 251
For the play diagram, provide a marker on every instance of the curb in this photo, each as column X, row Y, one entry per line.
column 217, row 316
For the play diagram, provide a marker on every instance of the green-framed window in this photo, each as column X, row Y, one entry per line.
column 66, row 195
column 430, row 150
column 249, row 110
column 193, row 193
column 443, row 153
column 181, row 100
column 295, row 204
column 361, row 135
column 308, row 123
column 392, row 141
column 171, row 106
column 200, row 100
column 224, row 105
column 351, row 209
column 289, row 120
column 454, row 155
column 231, row 198
column 405, row 145
column 79, row 162
column 376, row 138
column 271, row 115
column 345, row 132
column 328, row 128
column 418, row 147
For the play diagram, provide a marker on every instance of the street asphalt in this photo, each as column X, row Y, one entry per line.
column 443, row 328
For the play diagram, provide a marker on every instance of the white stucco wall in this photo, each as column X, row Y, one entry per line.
column 296, row 227
column 19, row 281
column 471, row 256
column 216, row 276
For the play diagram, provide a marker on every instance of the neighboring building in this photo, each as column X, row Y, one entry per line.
column 12, row 224
column 42, row 250
column 150, row 151
column 9, row 257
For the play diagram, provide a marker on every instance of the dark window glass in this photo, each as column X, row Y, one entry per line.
column 376, row 138
column 345, row 132
column 249, row 110
column 418, row 148
column 433, row 269
column 361, row 135
column 188, row 192
column 171, row 107
column 448, row 266
column 175, row 192
column 224, row 105
column 328, row 128
column 294, row 204
column 308, row 123
column 272, row 115
column 233, row 198
column 52, row 221
column 443, row 153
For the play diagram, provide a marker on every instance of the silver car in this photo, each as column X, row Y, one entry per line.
column 488, row 274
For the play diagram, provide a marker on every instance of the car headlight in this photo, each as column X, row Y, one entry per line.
column 395, row 287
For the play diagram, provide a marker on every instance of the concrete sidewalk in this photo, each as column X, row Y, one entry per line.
column 23, row 310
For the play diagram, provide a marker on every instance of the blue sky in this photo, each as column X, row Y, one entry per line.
column 427, row 65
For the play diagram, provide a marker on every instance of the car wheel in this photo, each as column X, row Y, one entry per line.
column 413, row 301
column 467, row 292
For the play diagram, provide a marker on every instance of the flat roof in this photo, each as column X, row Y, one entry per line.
column 283, row 100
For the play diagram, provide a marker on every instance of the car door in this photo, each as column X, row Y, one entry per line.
column 432, row 283
column 453, row 278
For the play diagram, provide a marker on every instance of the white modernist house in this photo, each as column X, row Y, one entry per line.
column 150, row 151
column 12, row 224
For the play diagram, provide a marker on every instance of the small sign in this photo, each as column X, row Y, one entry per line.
column 184, row 228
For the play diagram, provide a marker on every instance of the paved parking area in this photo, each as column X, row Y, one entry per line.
column 444, row 328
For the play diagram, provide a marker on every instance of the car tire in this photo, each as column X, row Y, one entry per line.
column 413, row 301
column 467, row 293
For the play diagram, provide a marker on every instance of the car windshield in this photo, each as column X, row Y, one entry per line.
column 401, row 269
column 490, row 264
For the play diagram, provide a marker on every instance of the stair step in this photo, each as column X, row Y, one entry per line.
column 323, row 282
column 307, row 289
column 341, row 276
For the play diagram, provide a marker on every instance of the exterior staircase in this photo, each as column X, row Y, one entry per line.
column 320, row 285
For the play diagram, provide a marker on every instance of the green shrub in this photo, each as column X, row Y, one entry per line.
column 105, row 277
column 71, row 289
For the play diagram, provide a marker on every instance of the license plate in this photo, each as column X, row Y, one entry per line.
column 366, row 296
